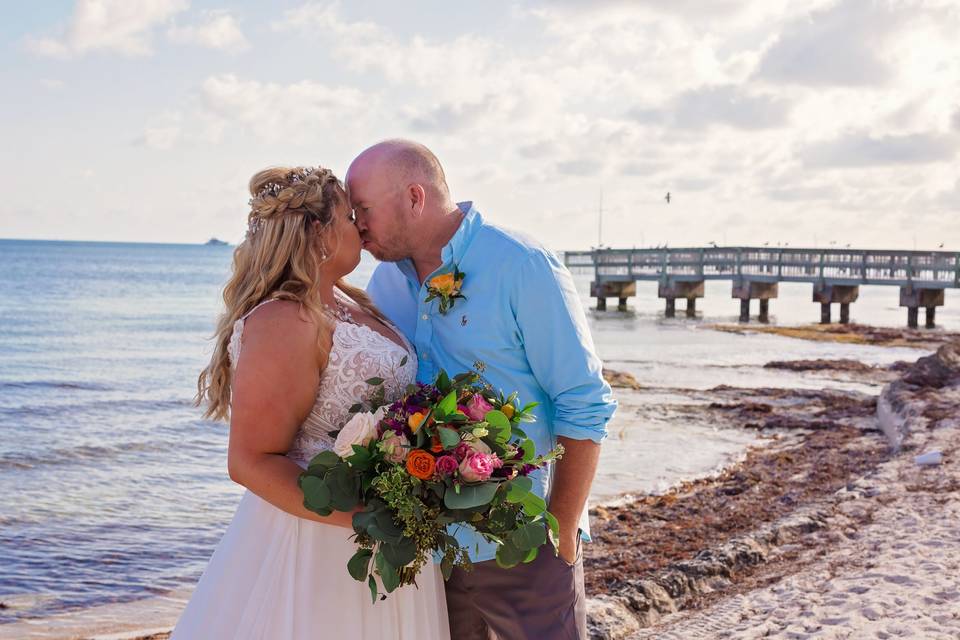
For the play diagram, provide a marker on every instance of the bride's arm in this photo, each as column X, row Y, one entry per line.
column 274, row 389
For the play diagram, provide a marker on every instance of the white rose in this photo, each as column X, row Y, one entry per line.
column 360, row 430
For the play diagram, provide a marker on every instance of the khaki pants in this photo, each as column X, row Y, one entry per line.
column 543, row 600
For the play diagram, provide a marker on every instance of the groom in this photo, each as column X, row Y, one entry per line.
column 521, row 317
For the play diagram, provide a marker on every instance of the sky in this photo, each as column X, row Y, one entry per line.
column 800, row 122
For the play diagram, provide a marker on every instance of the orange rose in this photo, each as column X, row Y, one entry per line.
column 420, row 464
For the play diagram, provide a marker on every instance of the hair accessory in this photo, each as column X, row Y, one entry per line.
column 273, row 189
column 294, row 177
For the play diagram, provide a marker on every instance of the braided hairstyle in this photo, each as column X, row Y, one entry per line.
column 279, row 260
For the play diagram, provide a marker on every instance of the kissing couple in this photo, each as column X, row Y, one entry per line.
column 294, row 349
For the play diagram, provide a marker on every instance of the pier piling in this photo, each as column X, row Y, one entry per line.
column 747, row 290
column 836, row 275
column 913, row 298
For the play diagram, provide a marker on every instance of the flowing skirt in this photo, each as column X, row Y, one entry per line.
column 275, row 576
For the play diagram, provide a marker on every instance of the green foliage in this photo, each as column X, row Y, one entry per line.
column 470, row 496
column 359, row 563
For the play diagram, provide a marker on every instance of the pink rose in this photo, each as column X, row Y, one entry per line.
column 478, row 467
column 394, row 446
column 469, row 447
column 477, row 407
column 446, row 465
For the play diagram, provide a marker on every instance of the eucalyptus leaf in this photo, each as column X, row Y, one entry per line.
column 448, row 437
column 386, row 524
column 316, row 494
column 518, row 488
column 499, row 425
column 529, row 536
column 470, row 496
column 509, row 556
column 373, row 588
column 400, row 554
column 374, row 382
column 359, row 564
column 533, row 505
column 388, row 573
column 362, row 520
column 403, row 361
column 325, row 459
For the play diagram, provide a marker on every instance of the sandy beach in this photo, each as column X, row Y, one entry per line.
column 827, row 533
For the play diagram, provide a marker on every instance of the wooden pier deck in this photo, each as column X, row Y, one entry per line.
column 755, row 272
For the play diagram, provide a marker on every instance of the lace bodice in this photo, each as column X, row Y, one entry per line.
column 358, row 354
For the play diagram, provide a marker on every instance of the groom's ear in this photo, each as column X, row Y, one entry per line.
column 416, row 198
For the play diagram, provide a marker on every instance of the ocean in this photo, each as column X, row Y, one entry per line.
column 113, row 489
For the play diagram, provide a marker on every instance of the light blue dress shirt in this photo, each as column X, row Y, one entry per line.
column 523, row 319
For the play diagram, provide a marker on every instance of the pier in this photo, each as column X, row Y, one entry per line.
column 755, row 273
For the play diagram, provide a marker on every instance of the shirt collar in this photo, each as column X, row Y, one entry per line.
column 453, row 252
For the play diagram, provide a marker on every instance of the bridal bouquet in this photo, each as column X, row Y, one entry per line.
column 448, row 452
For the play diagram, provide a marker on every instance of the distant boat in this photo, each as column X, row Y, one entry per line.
column 215, row 242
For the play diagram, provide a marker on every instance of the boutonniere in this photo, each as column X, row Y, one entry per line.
column 446, row 288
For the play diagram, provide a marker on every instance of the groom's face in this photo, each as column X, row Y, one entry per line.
column 377, row 203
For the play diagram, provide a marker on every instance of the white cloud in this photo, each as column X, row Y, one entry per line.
column 278, row 111
column 219, row 30
column 52, row 84
column 860, row 149
column 846, row 44
column 118, row 26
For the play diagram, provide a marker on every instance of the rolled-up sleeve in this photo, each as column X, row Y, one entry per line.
column 559, row 348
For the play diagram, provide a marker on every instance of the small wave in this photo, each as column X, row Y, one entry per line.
column 78, row 454
column 114, row 406
column 55, row 384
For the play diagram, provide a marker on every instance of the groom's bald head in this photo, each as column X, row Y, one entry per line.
column 401, row 162
column 396, row 186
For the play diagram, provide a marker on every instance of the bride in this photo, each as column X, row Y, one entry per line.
column 293, row 350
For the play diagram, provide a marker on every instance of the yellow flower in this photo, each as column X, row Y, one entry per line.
column 444, row 283
column 508, row 411
column 415, row 421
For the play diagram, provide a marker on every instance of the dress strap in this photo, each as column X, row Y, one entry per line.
column 247, row 314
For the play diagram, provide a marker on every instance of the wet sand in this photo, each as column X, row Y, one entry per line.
column 849, row 334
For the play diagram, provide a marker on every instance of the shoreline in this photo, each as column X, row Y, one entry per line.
column 704, row 542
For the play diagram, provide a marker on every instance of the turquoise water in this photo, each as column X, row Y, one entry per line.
column 111, row 486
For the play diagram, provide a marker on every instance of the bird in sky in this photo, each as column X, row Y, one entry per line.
column 667, row 198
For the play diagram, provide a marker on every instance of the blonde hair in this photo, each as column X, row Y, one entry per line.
column 278, row 260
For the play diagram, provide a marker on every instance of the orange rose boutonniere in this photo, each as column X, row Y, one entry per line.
column 446, row 288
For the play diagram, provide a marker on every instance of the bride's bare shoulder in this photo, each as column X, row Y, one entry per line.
column 284, row 324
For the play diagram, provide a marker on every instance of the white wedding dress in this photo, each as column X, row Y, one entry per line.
column 275, row 576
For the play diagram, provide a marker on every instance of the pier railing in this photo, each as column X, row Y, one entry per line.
column 929, row 269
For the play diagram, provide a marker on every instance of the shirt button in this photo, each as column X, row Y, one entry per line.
column 424, row 317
